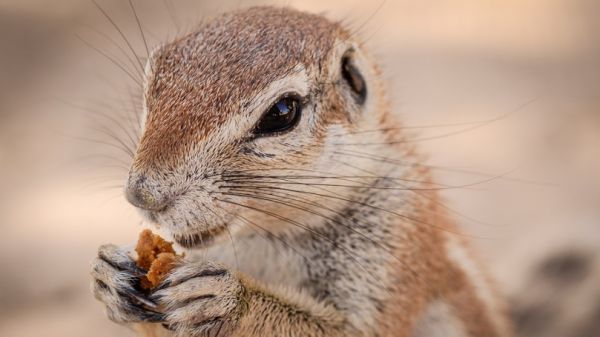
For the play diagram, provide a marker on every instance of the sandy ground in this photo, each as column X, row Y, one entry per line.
column 446, row 62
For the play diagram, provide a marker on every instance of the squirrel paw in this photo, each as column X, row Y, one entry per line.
column 115, row 276
column 200, row 299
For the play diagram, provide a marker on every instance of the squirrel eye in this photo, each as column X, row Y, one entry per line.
column 354, row 79
column 281, row 117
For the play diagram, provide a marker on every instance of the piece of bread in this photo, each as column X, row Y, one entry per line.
column 157, row 256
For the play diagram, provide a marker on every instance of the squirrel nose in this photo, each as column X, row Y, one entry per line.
column 141, row 195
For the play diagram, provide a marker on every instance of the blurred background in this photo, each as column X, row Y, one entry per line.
column 491, row 86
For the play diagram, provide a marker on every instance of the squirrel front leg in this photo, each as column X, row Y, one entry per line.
column 204, row 299
column 288, row 313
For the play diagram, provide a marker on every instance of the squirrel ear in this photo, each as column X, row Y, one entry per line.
column 354, row 79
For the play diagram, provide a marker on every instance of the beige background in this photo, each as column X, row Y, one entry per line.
column 446, row 61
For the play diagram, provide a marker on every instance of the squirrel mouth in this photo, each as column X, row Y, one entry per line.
column 199, row 240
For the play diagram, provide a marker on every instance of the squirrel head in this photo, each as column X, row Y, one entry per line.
column 243, row 104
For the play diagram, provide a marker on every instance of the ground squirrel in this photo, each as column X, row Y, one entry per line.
column 270, row 152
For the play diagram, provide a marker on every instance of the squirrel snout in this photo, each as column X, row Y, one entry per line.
column 140, row 194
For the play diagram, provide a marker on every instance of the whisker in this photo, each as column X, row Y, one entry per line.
column 99, row 182
column 100, row 142
column 95, row 189
column 136, row 114
column 111, row 59
column 252, row 223
column 242, row 178
column 202, row 206
column 114, row 122
column 325, row 175
column 335, row 197
column 365, row 155
column 124, row 165
column 114, row 137
column 312, row 231
column 369, row 18
column 449, row 134
column 376, row 187
column 373, row 187
column 109, row 199
column 172, row 13
column 419, row 127
column 139, row 24
column 430, row 199
column 127, row 109
column 118, row 29
column 108, row 119
column 117, row 45
column 252, row 194
column 235, row 254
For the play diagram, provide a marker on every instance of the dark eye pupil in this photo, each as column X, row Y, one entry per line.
column 281, row 117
